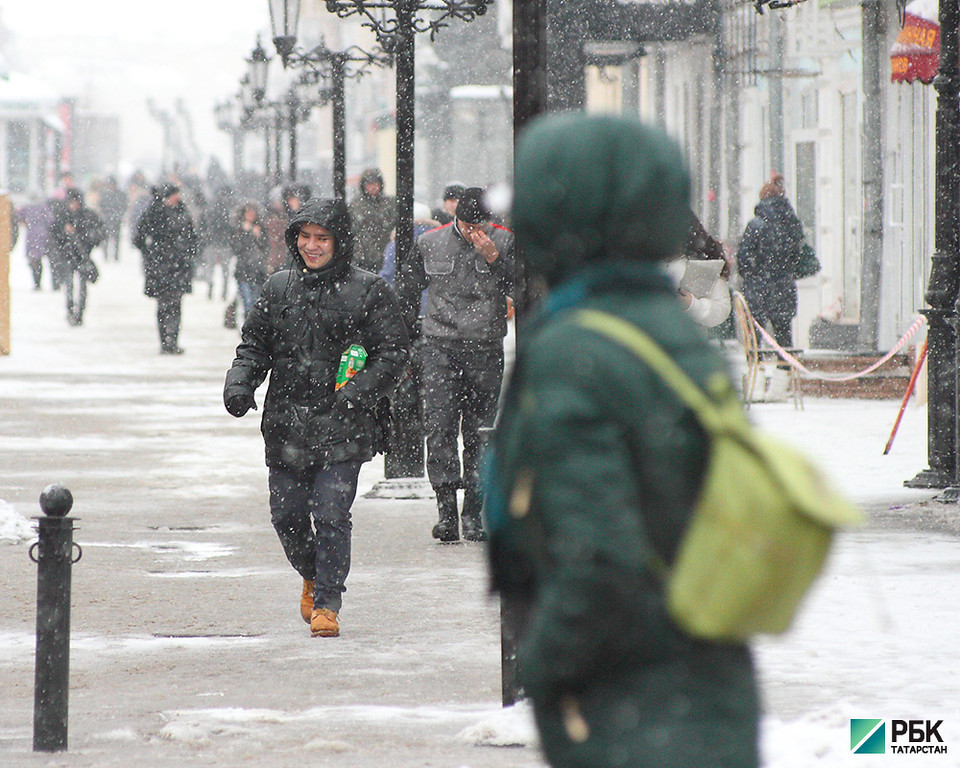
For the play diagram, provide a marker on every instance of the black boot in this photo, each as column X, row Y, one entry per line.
column 470, row 518
column 447, row 529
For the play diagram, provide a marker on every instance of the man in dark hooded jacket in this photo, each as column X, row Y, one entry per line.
column 767, row 261
column 317, row 432
column 74, row 232
column 597, row 465
column 374, row 216
column 169, row 243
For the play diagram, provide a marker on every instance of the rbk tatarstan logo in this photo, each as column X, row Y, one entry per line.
column 868, row 737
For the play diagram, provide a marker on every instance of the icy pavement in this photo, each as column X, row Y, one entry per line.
column 187, row 644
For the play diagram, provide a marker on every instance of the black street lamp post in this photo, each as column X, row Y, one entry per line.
column 396, row 23
column 249, row 103
column 529, row 100
column 292, row 104
column 338, row 106
column 943, row 290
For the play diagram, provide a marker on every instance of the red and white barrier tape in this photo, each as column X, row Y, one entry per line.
column 917, row 325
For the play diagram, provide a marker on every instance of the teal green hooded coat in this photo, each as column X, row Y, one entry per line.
column 596, row 465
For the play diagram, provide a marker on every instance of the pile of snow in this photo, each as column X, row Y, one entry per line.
column 509, row 727
column 14, row 527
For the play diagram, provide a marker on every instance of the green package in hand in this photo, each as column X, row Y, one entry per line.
column 351, row 362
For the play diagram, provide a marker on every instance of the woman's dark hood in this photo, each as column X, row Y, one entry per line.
column 597, row 188
column 774, row 208
column 329, row 214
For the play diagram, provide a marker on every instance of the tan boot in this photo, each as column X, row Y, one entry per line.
column 324, row 623
column 306, row 601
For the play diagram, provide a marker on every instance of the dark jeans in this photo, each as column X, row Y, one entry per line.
column 73, row 280
column 782, row 326
column 461, row 387
column 310, row 511
column 36, row 269
column 168, row 319
column 111, row 245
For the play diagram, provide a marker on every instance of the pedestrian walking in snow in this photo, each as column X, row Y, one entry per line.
column 113, row 207
column 250, row 242
column 168, row 241
column 596, row 465
column 767, row 261
column 467, row 267
column 74, row 232
column 374, row 217
column 37, row 217
column 316, row 433
column 447, row 210
column 215, row 232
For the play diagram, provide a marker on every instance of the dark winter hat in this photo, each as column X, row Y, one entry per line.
column 453, row 190
column 73, row 194
column 472, row 207
column 593, row 188
column 299, row 191
column 163, row 191
column 371, row 174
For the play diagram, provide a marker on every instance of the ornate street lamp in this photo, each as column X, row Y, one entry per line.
column 284, row 15
column 258, row 63
column 249, row 118
column 335, row 67
column 396, row 23
column 247, row 100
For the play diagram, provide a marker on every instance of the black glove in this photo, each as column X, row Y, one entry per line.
column 238, row 405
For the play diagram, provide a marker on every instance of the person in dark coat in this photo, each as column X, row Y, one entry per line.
column 447, row 210
column 74, row 232
column 467, row 268
column 168, row 241
column 37, row 216
column 250, row 242
column 596, row 465
column 216, row 229
column 767, row 260
column 278, row 216
column 113, row 207
column 317, row 434
column 374, row 217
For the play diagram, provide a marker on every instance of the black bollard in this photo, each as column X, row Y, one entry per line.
column 54, row 557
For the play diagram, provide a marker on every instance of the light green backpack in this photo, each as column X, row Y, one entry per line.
column 761, row 529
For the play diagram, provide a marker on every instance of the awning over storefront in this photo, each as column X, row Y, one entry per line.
column 916, row 53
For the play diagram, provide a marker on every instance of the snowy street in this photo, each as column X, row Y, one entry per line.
column 187, row 644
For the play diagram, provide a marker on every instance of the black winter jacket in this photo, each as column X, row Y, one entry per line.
column 300, row 326
column 467, row 297
column 767, row 258
column 168, row 241
column 251, row 252
column 73, row 248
